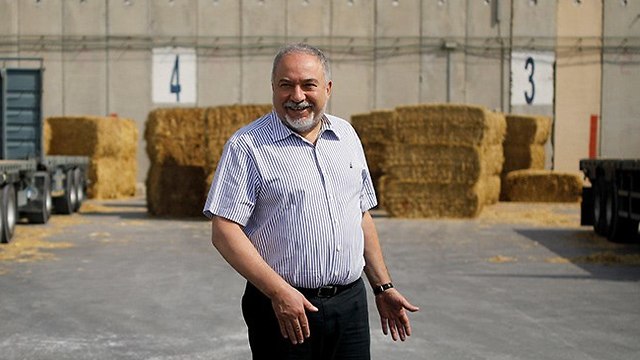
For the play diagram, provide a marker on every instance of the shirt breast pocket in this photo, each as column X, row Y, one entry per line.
column 351, row 177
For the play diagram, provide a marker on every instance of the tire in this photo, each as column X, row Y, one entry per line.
column 609, row 208
column 2, row 237
column 67, row 203
column 621, row 230
column 9, row 212
column 78, row 178
column 599, row 205
column 44, row 204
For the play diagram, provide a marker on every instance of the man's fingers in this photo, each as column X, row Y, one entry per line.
column 401, row 331
column 283, row 329
column 291, row 332
column 385, row 329
column 304, row 325
column 406, row 324
column 394, row 330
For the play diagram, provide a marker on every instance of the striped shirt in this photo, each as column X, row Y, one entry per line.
column 300, row 204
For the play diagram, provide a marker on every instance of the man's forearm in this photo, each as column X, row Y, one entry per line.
column 237, row 250
column 375, row 268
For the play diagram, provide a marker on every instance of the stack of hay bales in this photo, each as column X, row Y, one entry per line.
column 184, row 146
column 524, row 144
column 542, row 186
column 375, row 129
column 175, row 146
column 523, row 174
column 111, row 144
column 443, row 161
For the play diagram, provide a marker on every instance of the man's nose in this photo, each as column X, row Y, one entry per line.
column 297, row 95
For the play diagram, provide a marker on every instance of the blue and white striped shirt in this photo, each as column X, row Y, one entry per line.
column 300, row 205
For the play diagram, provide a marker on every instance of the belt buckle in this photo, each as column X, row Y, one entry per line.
column 327, row 291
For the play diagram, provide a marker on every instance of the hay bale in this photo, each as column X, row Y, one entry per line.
column 416, row 200
column 175, row 190
column 46, row 137
column 112, row 178
column 92, row 136
column 542, row 186
column 448, row 124
column 520, row 157
column 439, row 164
column 111, row 144
column 527, row 129
column 374, row 127
column 176, row 136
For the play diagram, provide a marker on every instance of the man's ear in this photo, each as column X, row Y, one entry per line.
column 329, row 84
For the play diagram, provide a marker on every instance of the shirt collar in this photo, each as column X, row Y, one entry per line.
column 280, row 131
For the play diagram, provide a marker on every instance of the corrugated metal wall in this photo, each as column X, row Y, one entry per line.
column 99, row 55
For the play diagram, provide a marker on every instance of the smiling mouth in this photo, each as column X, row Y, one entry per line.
column 297, row 107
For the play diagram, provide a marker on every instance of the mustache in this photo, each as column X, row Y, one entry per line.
column 298, row 106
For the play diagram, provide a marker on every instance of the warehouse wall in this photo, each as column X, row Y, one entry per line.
column 99, row 57
column 442, row 72
column 578, row 78
column 486, row 71
column 397, row 68
column 352, row 28
column 620, row 123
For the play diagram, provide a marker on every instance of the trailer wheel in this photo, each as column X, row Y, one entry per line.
column 9, row 212
column 599, row 208
column 44, row 204
column 66, row 204
column 621, row 230
column 78, row 178
column 2, row 211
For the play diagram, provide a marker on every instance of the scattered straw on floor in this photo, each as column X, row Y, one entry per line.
column 544, row 215
column 30, row 243
column 499, row 259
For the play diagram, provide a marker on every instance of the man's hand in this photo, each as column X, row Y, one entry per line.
column 392, row 308
column 290, row 306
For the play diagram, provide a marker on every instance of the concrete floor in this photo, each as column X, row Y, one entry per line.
column 516, row 283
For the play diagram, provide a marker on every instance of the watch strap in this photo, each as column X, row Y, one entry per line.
column 382, row 288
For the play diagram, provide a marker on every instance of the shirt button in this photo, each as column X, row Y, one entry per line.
column 338, row 249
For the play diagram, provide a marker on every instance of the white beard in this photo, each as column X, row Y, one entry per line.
column 304, row 124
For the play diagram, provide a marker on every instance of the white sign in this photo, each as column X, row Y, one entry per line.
column 532, row 78
column 173, row 75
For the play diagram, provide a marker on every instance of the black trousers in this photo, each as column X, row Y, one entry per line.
column 339, row 330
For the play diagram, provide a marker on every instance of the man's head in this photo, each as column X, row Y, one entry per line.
column 301, row 84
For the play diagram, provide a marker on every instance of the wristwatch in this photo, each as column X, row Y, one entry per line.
column 382, row 288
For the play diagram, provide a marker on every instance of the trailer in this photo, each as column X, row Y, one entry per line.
column 612, row 203
column 32, row 184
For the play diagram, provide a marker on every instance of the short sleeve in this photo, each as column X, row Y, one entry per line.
column 233, row 191
column 368, row 198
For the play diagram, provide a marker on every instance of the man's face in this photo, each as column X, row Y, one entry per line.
column 300, row 91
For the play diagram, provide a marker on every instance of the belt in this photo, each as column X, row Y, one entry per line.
column 326, row 291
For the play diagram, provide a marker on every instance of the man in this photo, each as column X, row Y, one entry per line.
column 289, row 207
